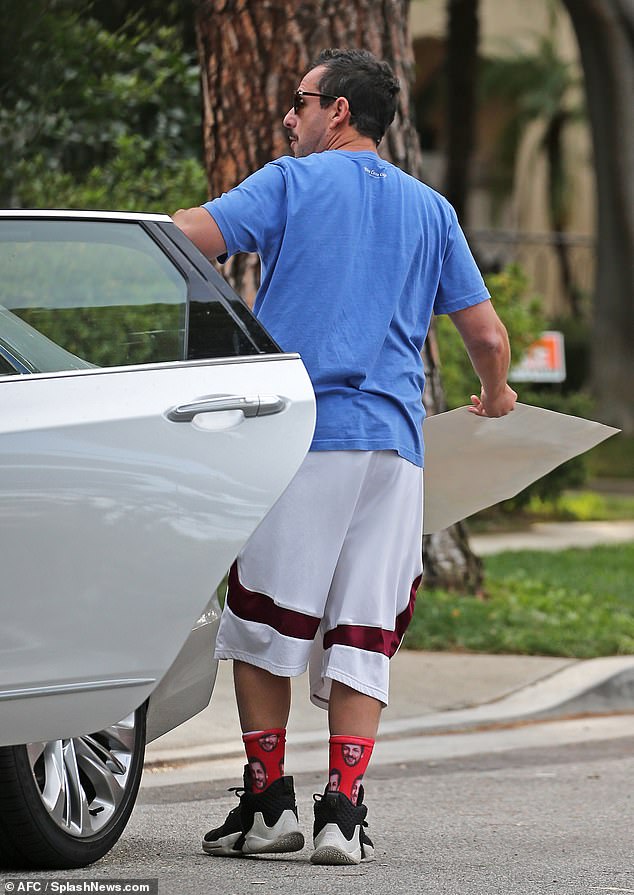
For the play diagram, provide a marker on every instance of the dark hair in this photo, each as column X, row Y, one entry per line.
column 368, row 84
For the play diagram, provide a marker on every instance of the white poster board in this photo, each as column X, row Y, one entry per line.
column 473, row 462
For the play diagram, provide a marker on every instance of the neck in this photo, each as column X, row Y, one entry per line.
column 352, row 141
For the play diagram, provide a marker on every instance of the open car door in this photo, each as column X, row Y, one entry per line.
column 131, row 476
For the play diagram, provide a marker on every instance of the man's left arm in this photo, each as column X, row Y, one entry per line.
column 487, row 343
column 201, row 228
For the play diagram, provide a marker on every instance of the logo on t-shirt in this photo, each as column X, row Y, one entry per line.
column 373, row 173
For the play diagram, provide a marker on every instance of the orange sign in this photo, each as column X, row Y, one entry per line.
column 544, row 360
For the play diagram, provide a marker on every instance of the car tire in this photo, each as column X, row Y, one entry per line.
column 64, row 804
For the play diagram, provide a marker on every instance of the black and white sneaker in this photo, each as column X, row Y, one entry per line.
column 263, row 823
column 339, row 833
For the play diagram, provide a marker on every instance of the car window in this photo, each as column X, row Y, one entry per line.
column 102, row 291
column 6, row 367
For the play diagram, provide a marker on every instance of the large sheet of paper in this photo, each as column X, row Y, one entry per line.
column 473, row 462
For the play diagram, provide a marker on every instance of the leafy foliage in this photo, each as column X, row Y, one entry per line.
column 93, row 118
column 583, row 506
column 614, row 458
column 522, row 315
column 571, row 474
column 127, row 182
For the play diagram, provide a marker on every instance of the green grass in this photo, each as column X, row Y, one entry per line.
column 570, row 603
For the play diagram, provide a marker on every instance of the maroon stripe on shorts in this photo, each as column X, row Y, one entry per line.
column 375, row 640
column 254, row 607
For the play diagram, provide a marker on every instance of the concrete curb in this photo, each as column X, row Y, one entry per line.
column 593, row 687
column 590, row 687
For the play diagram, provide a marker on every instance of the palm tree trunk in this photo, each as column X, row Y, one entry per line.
column 462, row 70
column 557, row 207
column 605, row 32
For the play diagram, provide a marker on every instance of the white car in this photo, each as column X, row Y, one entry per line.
column 147, row 424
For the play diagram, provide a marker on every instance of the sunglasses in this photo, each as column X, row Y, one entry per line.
column 298, row 98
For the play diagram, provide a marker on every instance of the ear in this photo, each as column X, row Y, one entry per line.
column 340, row 111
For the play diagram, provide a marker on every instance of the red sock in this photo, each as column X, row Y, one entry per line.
column 265, row 755
column 349, row 758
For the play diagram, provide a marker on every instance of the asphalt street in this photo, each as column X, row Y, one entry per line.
column 536, row 807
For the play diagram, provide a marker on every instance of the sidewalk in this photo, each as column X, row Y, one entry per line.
column 555, row 536
column 440, row 692
column 431, row 693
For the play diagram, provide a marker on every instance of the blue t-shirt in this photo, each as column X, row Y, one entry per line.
column 356, row 256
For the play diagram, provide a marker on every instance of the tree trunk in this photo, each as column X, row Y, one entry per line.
column 462, row 70
column 557, row 208
column 253, row 54
column 605, row 32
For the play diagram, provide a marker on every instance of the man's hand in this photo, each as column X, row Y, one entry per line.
column 497, row 405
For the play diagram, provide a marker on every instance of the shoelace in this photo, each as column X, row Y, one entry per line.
column 239, row 791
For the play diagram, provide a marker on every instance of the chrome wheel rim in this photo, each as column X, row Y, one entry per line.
column 82, row 781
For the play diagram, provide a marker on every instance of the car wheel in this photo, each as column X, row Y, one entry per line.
column 65, row 803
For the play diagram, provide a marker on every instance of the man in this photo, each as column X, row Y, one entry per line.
column 351, row 753
column 356, row 256
column 257, row 770
column 269, row 742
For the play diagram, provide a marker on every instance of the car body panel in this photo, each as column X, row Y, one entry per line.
column 189, row 681
column 119, row 523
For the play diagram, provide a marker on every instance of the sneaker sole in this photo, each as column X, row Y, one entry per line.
column 225, row 848
column 288, row 843
column 331, row 847
column 283, row 836
column 330, row 854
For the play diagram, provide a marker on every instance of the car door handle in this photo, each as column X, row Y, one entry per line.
column 250, row 405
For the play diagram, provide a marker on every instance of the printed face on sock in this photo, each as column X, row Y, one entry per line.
column 354, row 793
column 269, row 741
column 258, row 773
column 351, row 753
column 334, row 780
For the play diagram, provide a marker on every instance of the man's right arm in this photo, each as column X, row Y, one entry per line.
column 487, row 343
column 201, row 228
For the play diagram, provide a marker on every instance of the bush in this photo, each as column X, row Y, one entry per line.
column 573, row 473
column 522, row 315
column 139, row 178
column 98, row 119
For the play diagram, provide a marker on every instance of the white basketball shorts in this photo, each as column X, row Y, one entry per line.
column 330, row 575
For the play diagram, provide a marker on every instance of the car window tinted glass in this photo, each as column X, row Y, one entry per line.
column 98, row 293
column 6, row 368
